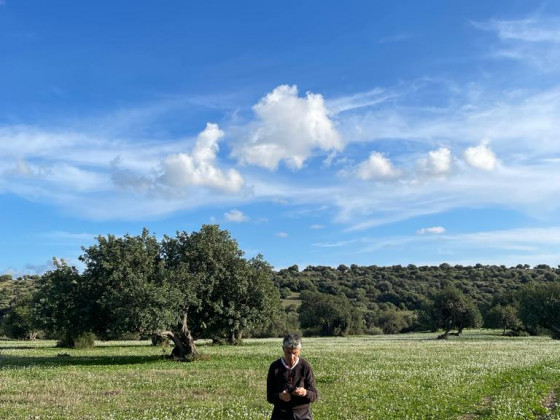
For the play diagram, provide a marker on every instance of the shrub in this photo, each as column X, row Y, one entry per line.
column 85, row 341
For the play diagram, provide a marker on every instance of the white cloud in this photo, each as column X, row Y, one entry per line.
column 282, row 234
column 537, row 245
column 336, row 244
column 236, row 216
column 362, row 100
column 481, row 157
column 23, row 169
column 199, row 168
column 128, row 179
column 288, row 128
column 528, row 30
column 317, row 226
column 378, row 167
column 535, row 41
column 74, row 172
column 437, row 163
column 521, row 123
column 436, row 230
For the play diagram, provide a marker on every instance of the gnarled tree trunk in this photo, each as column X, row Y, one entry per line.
column 185, row 349
column 235, row 337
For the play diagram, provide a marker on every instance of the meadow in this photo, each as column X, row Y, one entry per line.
column 480, row 375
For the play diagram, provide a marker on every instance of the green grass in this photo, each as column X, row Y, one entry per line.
column 478, row 376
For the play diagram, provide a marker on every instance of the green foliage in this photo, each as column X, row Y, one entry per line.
column 137, row 285
column 18, row 322
column 412, row 288
column 540, row 307
column 329, row 315
column 5, row 278
column 393, row 321
column 225, row 294
column 505, row 317
column 15, row 304
column 124, row 280
column 85, row 340
column 451, row 309
column 60, row 304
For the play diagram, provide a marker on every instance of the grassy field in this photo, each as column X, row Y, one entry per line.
column 478, row 376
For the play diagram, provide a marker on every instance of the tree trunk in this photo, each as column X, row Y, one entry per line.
column 555, row 332
column 235, row 337
column 444, row 336
column 185, row 349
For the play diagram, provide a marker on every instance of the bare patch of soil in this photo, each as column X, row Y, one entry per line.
column 550, row 402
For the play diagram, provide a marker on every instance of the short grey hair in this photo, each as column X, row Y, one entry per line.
column 292, row 341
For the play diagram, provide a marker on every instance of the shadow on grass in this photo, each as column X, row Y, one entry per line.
column 19, row 348
column 18, row 362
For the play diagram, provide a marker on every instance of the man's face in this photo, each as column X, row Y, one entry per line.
column 290, row 355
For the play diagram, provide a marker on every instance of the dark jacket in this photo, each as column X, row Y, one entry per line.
column 280, row 378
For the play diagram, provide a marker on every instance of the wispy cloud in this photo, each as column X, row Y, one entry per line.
column 363, row 99
column 435, row 230
column 534, row 41
column 134, row 179
column 336, row 244
column 508, row 247
column 528, row 30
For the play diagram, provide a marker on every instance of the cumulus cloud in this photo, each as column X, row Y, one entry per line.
column 481, row 157
column 199, row 168
column 287, row 128
column 437, row 163
column 436, row 230
column 377, row 166
column 236, row 216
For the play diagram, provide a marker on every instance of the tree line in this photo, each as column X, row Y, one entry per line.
column 200, row 285
column 374, row 299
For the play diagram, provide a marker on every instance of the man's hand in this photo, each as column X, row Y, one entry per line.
column 285, row 396
column 300, row 392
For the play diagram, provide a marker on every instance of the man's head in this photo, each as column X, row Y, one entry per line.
column 291, row 345
column 291, row 341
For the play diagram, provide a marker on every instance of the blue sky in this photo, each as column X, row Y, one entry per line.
column 318, row 133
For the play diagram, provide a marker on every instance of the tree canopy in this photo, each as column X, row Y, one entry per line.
column 139, row 284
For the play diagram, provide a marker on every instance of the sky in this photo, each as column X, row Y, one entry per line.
column 316, row 132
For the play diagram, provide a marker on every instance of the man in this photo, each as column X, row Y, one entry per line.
column 290, row 384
